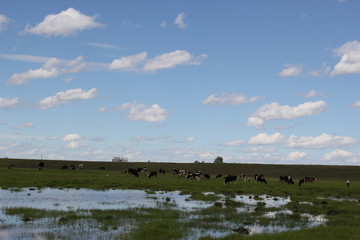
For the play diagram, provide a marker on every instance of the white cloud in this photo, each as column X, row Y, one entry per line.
column 73, row 145
column 179, row 21
column 68, row 22
column 23, row 125
column 356, row 105
column 4, row 20
column 350, row 59
column 103, row 45
column 51, row 68
column 169, row 60
column 72, row 137
column 319, row 142
column 325, row 70
column 311, row 94
column 232, row 99
column 274, row 111
column 70, row 95
column 290, row 71
column 8, row 102
column 102, row 109
column 190, row 139
column 337, row 154
column 265, row 139
column 25, row 58
column 255, row 122
column 128, row 62
column 293, row 156
column 142, row 112
column 234, row 143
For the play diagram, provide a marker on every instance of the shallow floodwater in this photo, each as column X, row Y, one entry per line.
column 12, row 227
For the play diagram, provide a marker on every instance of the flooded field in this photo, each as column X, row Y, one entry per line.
column 110, row 214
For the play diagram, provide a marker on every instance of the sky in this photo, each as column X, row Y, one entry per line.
column 258, row 81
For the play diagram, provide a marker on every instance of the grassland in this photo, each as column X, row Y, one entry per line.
column 323, row 196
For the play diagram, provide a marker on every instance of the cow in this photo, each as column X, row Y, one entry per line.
column 41, row 165
column 207, row 176
column 348, row 183
column 72, row 167
column 175, row 171
column 153, row 174
column 260, row 178
column 133, row 171
column 81, row 166
column 102, row 168
column 11, row 166
column 143, row 170
column 161, row 171
column 310, row 179
column 286, row 179
column 65, row 167
column 182, row 173
column 219, row 176
column 301, row 181
column 230, row 178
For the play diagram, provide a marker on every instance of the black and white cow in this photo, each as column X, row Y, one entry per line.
column 133, row 171
column 287, row 179
column 11, row 166
column 41, row 165
column 230, row 178
column 161, row 171
column 260, row 178
column 153, row 174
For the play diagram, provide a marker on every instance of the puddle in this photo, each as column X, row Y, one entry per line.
column 85, row 199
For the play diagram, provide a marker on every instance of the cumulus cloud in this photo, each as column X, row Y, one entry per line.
column 129, row 62
column 337, row 154
column 8, row 102
column 350, row 59
column 102, row 109
column 170, row 60
column 355, row 105
column 51, row 68
column 68, row 96
column 232, row 99
column 274, row 111
column 4, row 20
column 142, row 112
column 65, row 23
column 73, row 145
column 319, row 142
column 325, row 70
column 265, row 139
column 72, row 137
column 179, row 21
column 290, row 71
column 293, row 156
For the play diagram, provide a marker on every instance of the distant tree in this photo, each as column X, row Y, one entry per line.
column 218, row 159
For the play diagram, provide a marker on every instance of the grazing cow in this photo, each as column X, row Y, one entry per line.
column 102, row 168
column 133, row 171
column 348, row 183
column 143, row 170
column 65, row 167
column 286, row 179
column 72, row 167
column 175, row 171
column 206, row 175
column 230, row 178
column 41, row 165
column 81, row 166
column 301, row 181
column 161, row 171
column 219, row 176
column 310, row 179
column 11, row 166
column 260, row 178
column 182, row 173
column 153, row 174
column 196, row 175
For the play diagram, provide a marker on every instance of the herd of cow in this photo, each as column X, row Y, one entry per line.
column 195, row 175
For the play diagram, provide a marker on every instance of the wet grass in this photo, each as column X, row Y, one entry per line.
column 319, row 198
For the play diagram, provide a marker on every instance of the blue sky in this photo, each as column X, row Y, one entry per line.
column 181, row 81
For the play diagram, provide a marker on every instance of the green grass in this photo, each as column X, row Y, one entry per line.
column 317, row 198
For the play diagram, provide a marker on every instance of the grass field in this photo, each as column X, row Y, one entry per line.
column 322, row 197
